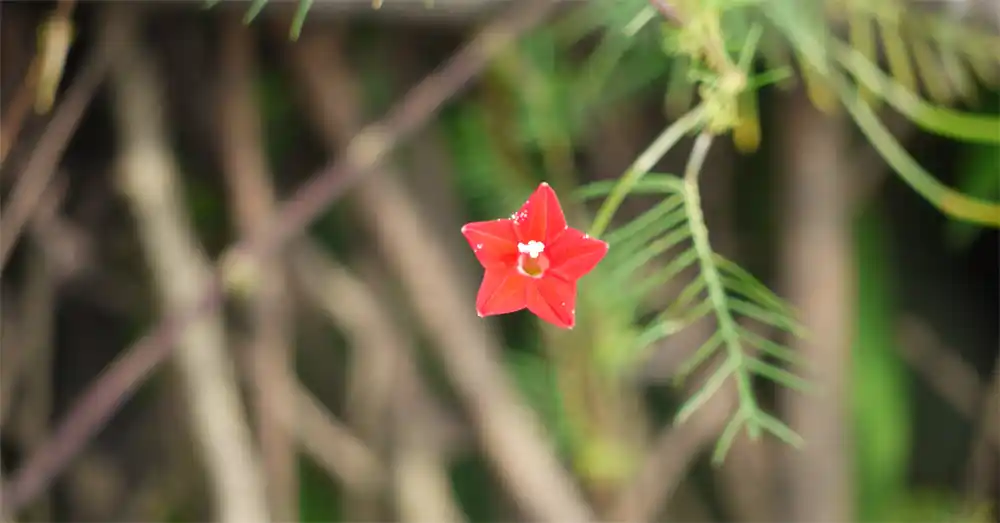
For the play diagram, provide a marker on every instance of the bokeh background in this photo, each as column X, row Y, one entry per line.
column 346, row 377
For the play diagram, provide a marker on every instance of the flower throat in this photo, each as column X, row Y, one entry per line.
column 532, row 261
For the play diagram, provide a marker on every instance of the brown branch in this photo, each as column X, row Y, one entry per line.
column 34, row 374
column 423, row 486
column 17, row 111
column 367, row 148
column 355, row 308
column 676, row 447
column 958, row 383
column 40, row 81
column 953, row 379
column 508, row 432
column 71, row 251
column 149, row 181
column 672, row 455
column 101, row 400
column 267, row 305
column 330, row 443
column 12, row 354
column 41, row 165
column 375, row 369
column 818, row 235
column 982, row 469
column 26, row 349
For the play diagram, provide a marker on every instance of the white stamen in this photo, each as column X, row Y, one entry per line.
column 531, row 248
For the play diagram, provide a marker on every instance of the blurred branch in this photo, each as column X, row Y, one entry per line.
column 41, row 165
column 673, row 453
column 367, row 147
column 11, row 354
column 267, row 304
column 817, row 233
column 955, row 380
column 958, row 383
column 72, row 252
column 17, row 110
column 330, row 443
column 508, row 432
column 353, row 306
column 26, row 338
column 151, row 185
column 42, row 77
column 33, row 377
column 982, row 469
column 101, row 400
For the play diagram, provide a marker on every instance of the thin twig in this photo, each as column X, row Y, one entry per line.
column 267, row 304
column 40, row 81
column 953, row 379
column 671, row 456
column 355, row 309
column 982, row 471
column 17, row 111
column 380, row 352
column 12, row 354
column 101, row 400
column 151, row 185
column 41, row 166
column 958, row 383
column 35, row 372
column 509, row 434
column 330, row 443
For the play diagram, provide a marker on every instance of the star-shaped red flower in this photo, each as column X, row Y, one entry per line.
column 533, row 260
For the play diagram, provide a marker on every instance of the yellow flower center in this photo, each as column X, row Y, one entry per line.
column 532, row 262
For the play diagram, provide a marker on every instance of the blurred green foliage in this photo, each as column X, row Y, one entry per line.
column 880, row 392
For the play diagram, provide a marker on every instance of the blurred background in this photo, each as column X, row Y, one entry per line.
column 345, row 375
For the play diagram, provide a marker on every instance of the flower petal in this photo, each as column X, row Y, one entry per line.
column 502, row 291
column 553, row 300
column 494, row 242
column 575, row 254
column 541, row 217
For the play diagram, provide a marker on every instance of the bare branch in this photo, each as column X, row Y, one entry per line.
column 41, row 166
column 818, row 234
column 101, row 400
column 333, row 446
column 267, row 305
column 421, row 425
column 958, row 383
column 955, row 380
column 150, row 183
column 34, row 374
column 983, row 478
column 508, row 431
column 671, row 456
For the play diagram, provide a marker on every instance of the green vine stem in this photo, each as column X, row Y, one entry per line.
column 748, row 410
column 949, row 201
column 643, row 164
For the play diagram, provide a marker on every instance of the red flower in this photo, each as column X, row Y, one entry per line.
column 533, row 260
